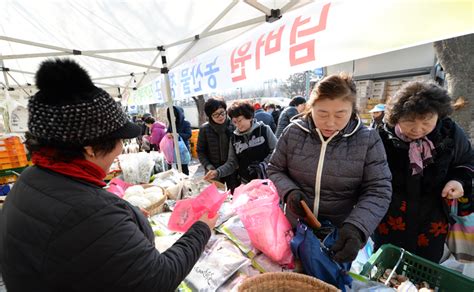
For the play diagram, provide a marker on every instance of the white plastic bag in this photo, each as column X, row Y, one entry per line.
column 136, row 167
column 216, row 266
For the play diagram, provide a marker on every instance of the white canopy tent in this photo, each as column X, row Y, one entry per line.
column 121, row 42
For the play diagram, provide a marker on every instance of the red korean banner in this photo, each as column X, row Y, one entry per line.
column 321, row 34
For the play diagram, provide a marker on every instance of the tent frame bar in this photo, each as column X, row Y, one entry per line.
column 73, row 52
column 148, row 70
column 93, row 53
column 207, row 29
column 60, row 51
column 123, row 75
column 257, row 5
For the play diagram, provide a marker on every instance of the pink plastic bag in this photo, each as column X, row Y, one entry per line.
column 257, row 204
column 187, row 212
column 167, row 147
column 255, row 189
column 118, row 187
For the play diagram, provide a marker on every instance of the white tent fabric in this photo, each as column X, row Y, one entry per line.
column 55, row 28
column 115, row 39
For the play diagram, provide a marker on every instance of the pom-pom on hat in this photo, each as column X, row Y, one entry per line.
column 69, row 109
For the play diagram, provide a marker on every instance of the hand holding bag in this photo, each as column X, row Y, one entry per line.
column 316, row 255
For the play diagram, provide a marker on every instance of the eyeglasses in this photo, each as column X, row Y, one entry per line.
column 219, row 114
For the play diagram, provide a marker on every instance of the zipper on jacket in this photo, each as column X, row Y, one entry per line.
column 319, row 170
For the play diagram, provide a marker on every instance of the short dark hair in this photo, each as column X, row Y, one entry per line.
column 416, row 99
column 149, row 120
column 213, row 104
column 66, row 152
column 297, row 100
column 270, row 105
column 241, row 108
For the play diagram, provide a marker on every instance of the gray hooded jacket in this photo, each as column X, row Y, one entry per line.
column 232, row 162
column 349, row 171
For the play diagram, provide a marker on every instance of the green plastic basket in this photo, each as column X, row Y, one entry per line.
column 417, row 269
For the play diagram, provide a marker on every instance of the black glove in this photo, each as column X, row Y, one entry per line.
column 348, row 244
column 293, row 202
column 258, row 170
column 252, row 169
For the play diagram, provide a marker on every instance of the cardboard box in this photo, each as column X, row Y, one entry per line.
column 380, row 96
column 373, row 101
column 364, row 92
column 368, row 83
column 394, row 83
column 379, row 85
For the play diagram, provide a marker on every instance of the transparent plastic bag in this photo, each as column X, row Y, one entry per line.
column 136, row 167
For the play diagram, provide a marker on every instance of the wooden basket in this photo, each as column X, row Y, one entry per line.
column 157, row 207
column 284, row 281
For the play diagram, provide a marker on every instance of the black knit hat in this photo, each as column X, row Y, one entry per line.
column 69, row 109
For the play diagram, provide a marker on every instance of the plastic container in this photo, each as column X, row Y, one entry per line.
column 193, row 143
column 12, row 153
column 417, row 269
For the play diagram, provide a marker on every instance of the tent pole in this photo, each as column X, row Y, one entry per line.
column 207, row 29
column 148, row 70
column 14, row 80
column 220, row 30
column 260, row 7
column 127, row 88
column 255, row 20
column 74, row 52
column 91, row 53
column 20, row 71
column 38, row 55
column 88, row 52
column 169, row 101
column 288, row 6
column 107, row 84
column 123, row 75
column 4, row 70
column 121, row 61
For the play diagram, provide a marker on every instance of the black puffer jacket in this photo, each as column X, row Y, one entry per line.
column 349, row 171
column 61, row 234
column 211, row 152
column 284, row 119
column 183, row 127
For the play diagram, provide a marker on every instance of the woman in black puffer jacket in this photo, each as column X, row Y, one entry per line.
column 214, row 137
column 59, row 229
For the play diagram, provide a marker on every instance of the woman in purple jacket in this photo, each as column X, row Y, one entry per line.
column 157, row 130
